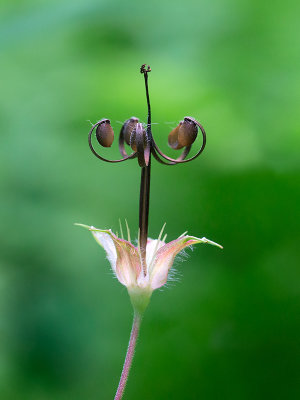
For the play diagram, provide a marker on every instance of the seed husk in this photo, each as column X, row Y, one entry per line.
column 173, row 138
column 128, row 127
column 187, row 132
column 105, row 133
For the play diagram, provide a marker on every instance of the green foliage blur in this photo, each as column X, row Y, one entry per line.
column 228, row 327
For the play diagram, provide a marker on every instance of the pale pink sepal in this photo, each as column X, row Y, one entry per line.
column 122, row 255
column 125, row 259
column 165, row 257
column 128, row 267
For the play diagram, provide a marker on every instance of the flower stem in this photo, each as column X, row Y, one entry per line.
column 145, row 185
column 129, row 355
column 144, row 212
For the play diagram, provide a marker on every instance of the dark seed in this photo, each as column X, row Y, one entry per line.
column 187, row 132
column 105, row 133
column 173, row 138
column 128, row 127
column 141, row 131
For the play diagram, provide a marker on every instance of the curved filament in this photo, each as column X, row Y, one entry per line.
column 175, row 162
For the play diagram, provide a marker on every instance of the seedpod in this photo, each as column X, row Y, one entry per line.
column 173, row 138
column 187, row 132
column 128, row 127
column 141, row 131
column 105, row 133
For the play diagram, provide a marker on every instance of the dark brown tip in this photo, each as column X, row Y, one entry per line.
column 144, row 70
column 105, row 133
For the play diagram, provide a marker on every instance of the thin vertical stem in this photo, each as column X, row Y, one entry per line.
column 145, row 188
column 129, row 355
column 148, row 103
column 144, row 212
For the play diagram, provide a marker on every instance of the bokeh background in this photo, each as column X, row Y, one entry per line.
column 228, row 328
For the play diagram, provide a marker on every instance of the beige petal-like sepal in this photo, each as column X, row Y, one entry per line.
column 165, row 257
column 127, row 265
column 125, row 260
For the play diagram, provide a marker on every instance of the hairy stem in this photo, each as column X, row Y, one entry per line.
column 129, row 355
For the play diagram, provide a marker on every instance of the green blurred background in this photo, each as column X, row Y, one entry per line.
column 229, row 328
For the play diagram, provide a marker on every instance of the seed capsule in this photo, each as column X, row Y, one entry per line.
column 141, row 131
column 173, row 138
column 187, row 132
column 128, row 127
column 105, row 133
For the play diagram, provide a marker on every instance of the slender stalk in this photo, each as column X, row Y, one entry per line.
column 144, row 212
column 129, row 355
column 145, row 187
column 148, row 101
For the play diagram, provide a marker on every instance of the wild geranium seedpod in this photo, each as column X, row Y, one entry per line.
column 187, row 132
column 105, row 133
column 145, row 267
column 173, row 138
column 128, row 127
